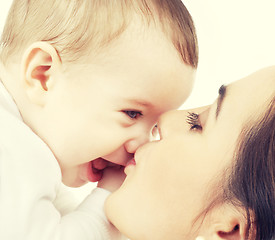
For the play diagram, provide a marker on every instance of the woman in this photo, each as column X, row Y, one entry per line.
column 212, row 174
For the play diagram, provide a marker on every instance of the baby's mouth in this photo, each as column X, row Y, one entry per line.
column 96, row 169
column 99, row 164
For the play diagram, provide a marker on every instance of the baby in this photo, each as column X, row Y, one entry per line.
column 82, row 86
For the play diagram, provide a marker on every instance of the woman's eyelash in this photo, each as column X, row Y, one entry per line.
column 193, row 120
column 133, row 114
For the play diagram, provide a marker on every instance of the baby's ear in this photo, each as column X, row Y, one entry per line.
column 40, row 62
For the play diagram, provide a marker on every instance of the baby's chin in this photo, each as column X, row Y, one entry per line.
column 76, row 176
column 73, row 183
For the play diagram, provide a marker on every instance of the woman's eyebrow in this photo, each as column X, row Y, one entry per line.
column 222, row 92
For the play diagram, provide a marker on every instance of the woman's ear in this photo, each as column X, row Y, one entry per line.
column 233, row 231
column 40, row 63
column 227, row 223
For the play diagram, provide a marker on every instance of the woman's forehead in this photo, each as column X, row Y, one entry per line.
column 251, row 95
column 260, row 81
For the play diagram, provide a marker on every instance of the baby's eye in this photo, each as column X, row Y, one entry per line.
column 193, row 120
column 133, row 114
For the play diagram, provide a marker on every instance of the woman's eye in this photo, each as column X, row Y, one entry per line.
column 193, row 120
column 133, row 114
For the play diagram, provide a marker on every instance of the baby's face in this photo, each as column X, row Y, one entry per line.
column 108, row 107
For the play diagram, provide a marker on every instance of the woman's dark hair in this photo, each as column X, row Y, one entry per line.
column 252, row 182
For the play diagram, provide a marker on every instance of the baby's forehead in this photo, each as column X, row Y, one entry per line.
column 167, row 95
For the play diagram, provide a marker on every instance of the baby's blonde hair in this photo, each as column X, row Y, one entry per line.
column 74, row 27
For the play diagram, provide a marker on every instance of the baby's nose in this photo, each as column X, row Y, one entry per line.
column 172, row 122
column 133, row 144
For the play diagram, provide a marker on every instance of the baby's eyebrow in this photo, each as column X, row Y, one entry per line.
column 222, row 93
column 143, row 103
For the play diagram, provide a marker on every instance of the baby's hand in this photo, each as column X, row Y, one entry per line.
column 112, row 178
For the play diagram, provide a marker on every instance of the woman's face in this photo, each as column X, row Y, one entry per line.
column 167, row 188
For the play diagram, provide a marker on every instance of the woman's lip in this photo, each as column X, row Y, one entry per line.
column 131, row 162
column 130, row 165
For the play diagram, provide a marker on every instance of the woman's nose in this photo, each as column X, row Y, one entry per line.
column 133, row 144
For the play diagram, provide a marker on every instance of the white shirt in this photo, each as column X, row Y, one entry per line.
column 30, row 178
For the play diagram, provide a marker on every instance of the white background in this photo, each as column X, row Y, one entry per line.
column 236, row 37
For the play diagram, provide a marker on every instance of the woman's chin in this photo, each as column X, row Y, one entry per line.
column 112, row 207
column 115, row 211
